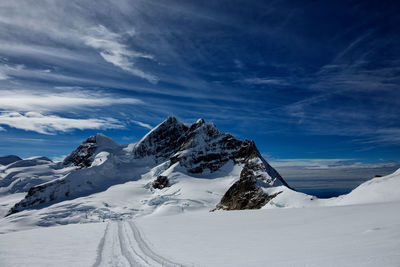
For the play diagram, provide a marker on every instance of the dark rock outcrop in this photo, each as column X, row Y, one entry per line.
column 82, row 156
column 161, row 182
column 36, row 195
column 204, row 147
column 163, row 141
column 245, row 193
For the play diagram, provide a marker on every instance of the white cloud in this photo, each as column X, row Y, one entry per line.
column 142, row 124
column 48, row 101
column 115, row 52
column 50, row 124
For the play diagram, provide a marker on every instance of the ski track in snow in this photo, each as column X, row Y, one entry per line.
column 101, row 247
column 123, row 245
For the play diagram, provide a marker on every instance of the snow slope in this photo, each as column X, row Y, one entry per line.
column 20, row 175
column 376, row 190
column 356, row 235
column 70, row 245
column 379, row 189
column 132, row 199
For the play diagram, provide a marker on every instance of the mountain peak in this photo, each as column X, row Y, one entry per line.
column 83, row 156
column 105, row 142
column 171, row 119
column 200, row 121
column 162, row 141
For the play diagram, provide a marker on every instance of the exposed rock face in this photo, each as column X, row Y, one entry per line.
column 82, row 156
column 5, row 160
column 198, row 148
column 161, row 182
column 163, row 141
column 245, row 193
column 36, row 195
column 205, row 148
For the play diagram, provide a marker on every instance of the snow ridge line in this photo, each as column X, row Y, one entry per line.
column 100, row 247
column 148, row 251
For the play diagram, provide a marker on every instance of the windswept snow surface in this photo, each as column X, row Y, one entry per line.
column 20, row 175
column 332, row 233
column 354, row 235
column 132, row 199
column 379, row 189
column 69, row 245
column 359, row 235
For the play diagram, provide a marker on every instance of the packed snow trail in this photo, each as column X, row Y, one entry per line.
column 123, row 245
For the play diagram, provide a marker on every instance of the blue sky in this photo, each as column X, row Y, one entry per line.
column 314, row 83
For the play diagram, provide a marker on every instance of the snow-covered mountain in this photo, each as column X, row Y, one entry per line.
column 199, row 167
column 172, row 169
column 19, row 175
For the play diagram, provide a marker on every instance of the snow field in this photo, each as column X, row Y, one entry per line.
column 357, row 235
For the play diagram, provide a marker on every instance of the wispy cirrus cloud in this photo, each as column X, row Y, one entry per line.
column 6, row 70
column 49, row 112
column 46, row 32
column 73, row 98
column 51, row 124
column 142, row 124
column 352, row 95
column 114, row 51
